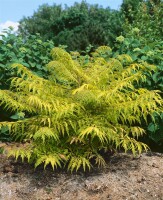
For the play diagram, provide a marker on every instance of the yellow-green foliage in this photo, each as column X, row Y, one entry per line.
column 80, row 110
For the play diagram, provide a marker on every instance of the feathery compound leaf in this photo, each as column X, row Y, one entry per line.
column 53, row 159
column 58, row 53
column 61, row 72
column 20, row 150
column 125, row 59
column 78, row 161
column 93, row 131
column 137, row 131
column 99, row 160
column 46, row 133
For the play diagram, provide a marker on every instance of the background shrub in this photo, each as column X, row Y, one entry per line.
column 32, row 52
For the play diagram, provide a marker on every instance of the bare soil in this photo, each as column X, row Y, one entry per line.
column 125, row 177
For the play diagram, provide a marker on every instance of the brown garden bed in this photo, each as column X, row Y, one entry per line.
column 124, row 177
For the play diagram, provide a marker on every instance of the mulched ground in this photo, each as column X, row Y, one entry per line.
column 124, row 178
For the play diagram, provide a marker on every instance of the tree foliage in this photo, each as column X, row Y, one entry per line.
column 129, row 9
column 81, row 109
column 148, row 18
column 77, row 26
